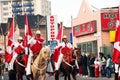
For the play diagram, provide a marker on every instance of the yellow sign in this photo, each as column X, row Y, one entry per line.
column 112, row 35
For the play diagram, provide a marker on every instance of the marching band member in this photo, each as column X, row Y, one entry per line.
column 35, row 45
column 61, row 49
column 17, row 49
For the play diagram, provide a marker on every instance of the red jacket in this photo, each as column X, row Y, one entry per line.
column 19, row 49
column 37, row 46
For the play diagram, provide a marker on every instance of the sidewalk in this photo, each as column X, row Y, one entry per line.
column 93, row 78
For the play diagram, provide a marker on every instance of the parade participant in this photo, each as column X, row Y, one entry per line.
column 35, row 45
column 17, row 49
column 61, row 49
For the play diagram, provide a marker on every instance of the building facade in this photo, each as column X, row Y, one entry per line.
column 18, row 7
column 92, row 29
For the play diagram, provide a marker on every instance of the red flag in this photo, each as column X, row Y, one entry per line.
column 8, row 52
column 28, row 32
column 60, row 32
column 28, row 35
column 58, row 38
column 12, row 29
column 116, row 54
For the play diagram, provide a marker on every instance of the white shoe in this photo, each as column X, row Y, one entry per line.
column 86, row 76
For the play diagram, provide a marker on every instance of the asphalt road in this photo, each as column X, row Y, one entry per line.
column 62, row 78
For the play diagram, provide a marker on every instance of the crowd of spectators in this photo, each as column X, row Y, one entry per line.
column 92, row 66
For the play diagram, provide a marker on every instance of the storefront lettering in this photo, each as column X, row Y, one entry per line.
column 84, row 29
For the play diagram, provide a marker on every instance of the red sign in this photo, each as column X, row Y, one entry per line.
column 108, row 20
column 83, row 29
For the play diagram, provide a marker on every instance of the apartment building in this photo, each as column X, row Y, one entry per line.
column 18, row 7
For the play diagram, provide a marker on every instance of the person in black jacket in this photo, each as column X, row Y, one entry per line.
column 84, row 65
column 91, row 65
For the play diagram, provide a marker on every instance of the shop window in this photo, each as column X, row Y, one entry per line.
column 95, row 50
column 84, row 48
column 5, row 3
column 89, row 47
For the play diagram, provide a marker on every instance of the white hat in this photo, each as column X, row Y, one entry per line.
column 64, row 36
column 20, row 38
column 38, row 32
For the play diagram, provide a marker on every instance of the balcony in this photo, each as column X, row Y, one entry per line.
column 16, row 10
column 16, row 5
column 29, row 4
column 29, row 9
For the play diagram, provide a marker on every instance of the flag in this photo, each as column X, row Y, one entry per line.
column 60, row 32
column 116, row 52
column 11, row 39
column 28, row 32
column 58, row 39
column 57, row 57
column 28, row 35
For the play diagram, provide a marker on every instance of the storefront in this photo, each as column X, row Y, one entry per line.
column 93, row 30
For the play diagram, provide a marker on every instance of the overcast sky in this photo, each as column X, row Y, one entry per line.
column 64, row 9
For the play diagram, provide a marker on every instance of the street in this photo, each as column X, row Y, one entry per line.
column 62, row 78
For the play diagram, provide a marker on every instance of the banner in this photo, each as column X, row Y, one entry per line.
column 52, row 27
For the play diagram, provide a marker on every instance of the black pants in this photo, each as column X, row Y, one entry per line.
column 92, row 71
column 108, row 72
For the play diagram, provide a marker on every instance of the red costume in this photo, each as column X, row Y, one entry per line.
column 37, row 45
column 9, row 51
column 62, row 50
column 19, row 48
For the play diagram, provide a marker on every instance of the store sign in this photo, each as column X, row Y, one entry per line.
column 51, row 27
column 83, row 29
column 108, row 20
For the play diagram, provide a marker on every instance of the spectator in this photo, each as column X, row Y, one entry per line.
column 91, row 65
column 84, row 65
column 103, row 64
column 97, row 65
column 80, row 66
column 108, row 66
